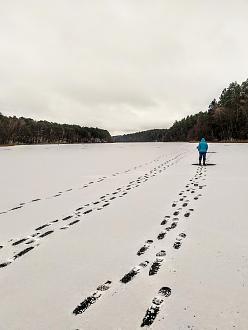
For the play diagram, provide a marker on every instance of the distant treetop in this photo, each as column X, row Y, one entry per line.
column 22, row 130
column 225, row 120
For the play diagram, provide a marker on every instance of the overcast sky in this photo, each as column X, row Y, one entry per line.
column 125, row 65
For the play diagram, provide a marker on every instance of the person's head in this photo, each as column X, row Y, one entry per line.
column 203, row 140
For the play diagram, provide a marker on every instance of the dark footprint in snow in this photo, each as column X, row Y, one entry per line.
column 166, row 218
column 185, row 204
column 161, row 253
column 133, row 272
column 104, row 287
column 20, row 254
column 88, row 211
column 164, row 222
column 177, row 245
column 173, row 225
column 106, row 204
column 30, row 242
column 46, row 233
column 183, row 235
column 19, row 241
column 92, row 299
column 155, row 266
column 161, row 235
column 67, row 218
column 73, row 222
column 154, row 309
column 14, row 208
column 64, row 227
column 145, row 247
column 36, row 234
column 43, row 226
column 187, row 214
column 176, row 213
column 5, row 264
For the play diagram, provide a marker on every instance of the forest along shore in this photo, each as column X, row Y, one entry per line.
column 123, row 236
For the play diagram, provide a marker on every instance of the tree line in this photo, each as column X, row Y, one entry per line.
column 22, row 130
column 224, row 120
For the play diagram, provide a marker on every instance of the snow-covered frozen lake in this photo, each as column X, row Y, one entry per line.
column 119, row 236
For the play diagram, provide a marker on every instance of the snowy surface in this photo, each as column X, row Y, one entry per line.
column 98, row 205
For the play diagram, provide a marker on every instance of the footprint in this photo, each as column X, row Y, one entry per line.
column 106, row 204
column 178, row 242
column 20, row 254
column 177, row 245
column 161, row 253
column 155, row 266
column 19, row 241
column 92, row 299
column 14, row 208
column 104, row 287
column 173, row 225
column 154, row 309
column 64, row 227
column 145, row 247
column 46, row 233
column 73, row 222
column 43, row 226
column 5, row 264
column 88, row 211
column 67, row 218
column 164, row 222
column 133, row 272
column 161, row 235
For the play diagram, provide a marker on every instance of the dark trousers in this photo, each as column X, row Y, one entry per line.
column 202, row 155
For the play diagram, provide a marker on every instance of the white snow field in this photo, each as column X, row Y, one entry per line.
column 123, row 236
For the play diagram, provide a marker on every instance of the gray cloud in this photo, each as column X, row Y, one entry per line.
column 122, row 65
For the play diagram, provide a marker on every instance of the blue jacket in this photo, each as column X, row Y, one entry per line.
column 202, row 146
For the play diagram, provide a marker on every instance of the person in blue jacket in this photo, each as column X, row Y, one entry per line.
column 202, row 148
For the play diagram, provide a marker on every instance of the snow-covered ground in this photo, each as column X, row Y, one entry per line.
column 120, row 236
